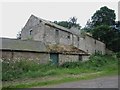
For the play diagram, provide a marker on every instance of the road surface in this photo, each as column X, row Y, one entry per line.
column 102, row 82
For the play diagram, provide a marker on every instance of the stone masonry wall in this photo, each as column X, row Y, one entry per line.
column 38, row 57
column 68, row 58
column 51, row 35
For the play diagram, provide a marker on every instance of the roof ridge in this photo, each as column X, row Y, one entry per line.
column 55, row 25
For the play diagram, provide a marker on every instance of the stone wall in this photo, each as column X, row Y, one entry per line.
column 49, row 35
column 31, row 24
column 15, row 55
column 82, row 44
column 68, row 58
column 65, row 37
column 42, row 58
column 91, row 45
column 52, row 35
column 85, row 58
column 100, row 47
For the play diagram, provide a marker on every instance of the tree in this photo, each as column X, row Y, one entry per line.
column 108, row 35
column 101, row 33
column 88, row 26
column 72, row 22
column 62, row 23
column 104, row 16
column 104, row 28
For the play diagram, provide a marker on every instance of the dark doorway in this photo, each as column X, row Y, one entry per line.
column 55, row 58
column 80, row 57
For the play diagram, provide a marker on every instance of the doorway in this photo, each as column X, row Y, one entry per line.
column 55, row 58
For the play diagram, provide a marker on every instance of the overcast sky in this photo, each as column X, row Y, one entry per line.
column 16, row 14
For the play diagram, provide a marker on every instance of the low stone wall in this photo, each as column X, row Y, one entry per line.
column 15, row 55
column 68, row 58
column 39, row 57
column 85, row 58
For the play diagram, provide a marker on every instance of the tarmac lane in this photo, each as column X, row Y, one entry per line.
column 102, row 82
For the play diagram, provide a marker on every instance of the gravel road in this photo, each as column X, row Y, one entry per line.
column 102, row 82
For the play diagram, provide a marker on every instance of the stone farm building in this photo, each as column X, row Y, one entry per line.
column 43, row 40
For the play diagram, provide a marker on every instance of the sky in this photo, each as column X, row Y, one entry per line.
column 14, row 15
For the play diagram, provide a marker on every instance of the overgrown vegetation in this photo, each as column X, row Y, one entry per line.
column 96, row 63
column 30, row 69
column 103, row 27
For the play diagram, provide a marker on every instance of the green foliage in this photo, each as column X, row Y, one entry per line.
column 102, row 27
column 104, row 16
column 68, row 24
column 118, row 54
column 13, row 69
column 107, row 35
column 96, row 62
column 102, row 32
column 30, row 69
column 63, row 23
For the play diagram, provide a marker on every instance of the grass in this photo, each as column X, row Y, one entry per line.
column 98, row 65
column 58, row 81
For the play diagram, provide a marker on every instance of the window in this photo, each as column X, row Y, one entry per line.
column 95, row 41
column 57, row 32
column 68, row 36
column 87, row 50
column 40, row 21
column 30, row 32
column 78, row 38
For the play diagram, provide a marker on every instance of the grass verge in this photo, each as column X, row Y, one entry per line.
column 85, row 76
column 98, row 65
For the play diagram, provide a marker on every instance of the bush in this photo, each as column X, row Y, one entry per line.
column 71, row 64
column 13, row 69
column 118, row 54
column 96, row 62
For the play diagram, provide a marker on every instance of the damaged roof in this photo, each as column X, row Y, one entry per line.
column 65, row 49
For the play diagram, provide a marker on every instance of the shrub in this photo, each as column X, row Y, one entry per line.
column 96, row 62
column 71, row 64
column 12, row 69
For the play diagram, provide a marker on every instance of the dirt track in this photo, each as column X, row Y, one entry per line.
column 102, row 82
